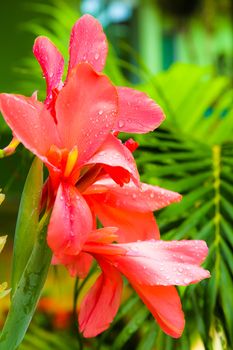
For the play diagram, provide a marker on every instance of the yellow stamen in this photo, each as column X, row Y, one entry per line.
column 71, row 161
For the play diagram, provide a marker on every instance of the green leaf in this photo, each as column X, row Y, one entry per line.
column 27, row 221
column 28, row 292
column 226, row 292
column 227, row 229
column 134, row 324
column 148, row 340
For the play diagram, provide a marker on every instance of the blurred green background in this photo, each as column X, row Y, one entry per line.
column 180, row 53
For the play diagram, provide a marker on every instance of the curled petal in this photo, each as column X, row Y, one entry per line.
column 101, row 303
column 88, row 43
column 163, row 263
column 70, row 223
column 86, row 110
column 164, row 304
column 30, row 122
column 132, row 226
column 51, row 62
column 137, row 112
column 118, row 160
column 144, row 198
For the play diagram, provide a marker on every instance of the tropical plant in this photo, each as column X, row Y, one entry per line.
column 192, row 154
column 3, row 286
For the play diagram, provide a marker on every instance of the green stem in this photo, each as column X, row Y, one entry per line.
column 28, row 291
column 75, row 301
column 217, row 173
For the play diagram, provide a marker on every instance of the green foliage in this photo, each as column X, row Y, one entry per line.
column 190, row 153
column 33, row 263
column 27, row 222
column 3, row 286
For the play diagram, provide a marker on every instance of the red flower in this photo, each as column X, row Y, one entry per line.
column 72, row 131
column 129, row 208
column 153, row 268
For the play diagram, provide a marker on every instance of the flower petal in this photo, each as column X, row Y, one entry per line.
column 70, row 223
column 164, row 304
column 137, row 112
column 118, row 159
column 88, row 43
column 51, row 62
column 30, row 122
column 163, row 263
column 144, row 198
column 86, row 110
column 77, row 265
column 132, row 226
column 101, row 303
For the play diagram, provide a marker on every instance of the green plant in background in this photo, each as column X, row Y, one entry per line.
column 3, row 286
column 192, row 154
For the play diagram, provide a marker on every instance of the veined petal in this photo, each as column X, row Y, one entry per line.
column 86, row 110
column 115, row 155
column 132, row 225
column 88, row 43
column 137, row 112
column 101, row 303
column 51, row 62
column 77, row 265
column 143, row 198
column 164, row 304
column 70, row 223
column 30, row 122
column 163, row 263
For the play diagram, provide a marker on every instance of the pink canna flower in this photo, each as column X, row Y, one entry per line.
column 73, row 132
column 129, row 208
column 152, row 267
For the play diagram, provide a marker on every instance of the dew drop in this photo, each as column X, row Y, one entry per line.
column 135, row 249
column 121, row 123
column 97, row 56
column 100, row 112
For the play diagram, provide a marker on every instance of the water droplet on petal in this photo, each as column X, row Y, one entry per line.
column 121, row 123
column 97, row 56
column 100, row 112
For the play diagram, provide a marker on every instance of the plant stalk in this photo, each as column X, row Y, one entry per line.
column 28, row 291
